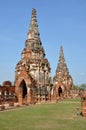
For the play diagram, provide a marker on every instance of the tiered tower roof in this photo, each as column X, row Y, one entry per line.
column 62, row 66
column 33, row 39
column 62, row 73
column 33, row 55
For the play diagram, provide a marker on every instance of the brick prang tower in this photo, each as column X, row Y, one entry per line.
column 62, row 81
column 33, row 70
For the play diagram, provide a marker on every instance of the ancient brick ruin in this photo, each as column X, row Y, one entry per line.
column 62, row 81
column 7, row 94
column 83, row 103
column 33, row 82
column 32, row 79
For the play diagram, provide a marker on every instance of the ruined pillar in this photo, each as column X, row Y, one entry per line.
column 83, row 103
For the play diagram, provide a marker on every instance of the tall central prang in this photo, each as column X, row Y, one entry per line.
column 32, row 78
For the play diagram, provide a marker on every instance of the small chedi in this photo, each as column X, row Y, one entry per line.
column 62, row 81
column 32, row 79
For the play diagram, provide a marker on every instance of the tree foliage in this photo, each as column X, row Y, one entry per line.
column 80, row 87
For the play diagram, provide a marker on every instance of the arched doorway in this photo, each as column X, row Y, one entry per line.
column 59, row 91
column 23, row 91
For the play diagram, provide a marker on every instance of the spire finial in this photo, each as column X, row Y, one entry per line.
column 33, row 12
column 61, row 64
column 61, row 56
column 33, row 31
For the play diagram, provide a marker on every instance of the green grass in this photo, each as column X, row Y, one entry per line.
column 54, row 116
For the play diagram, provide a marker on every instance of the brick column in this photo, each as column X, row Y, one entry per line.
column 83, row 103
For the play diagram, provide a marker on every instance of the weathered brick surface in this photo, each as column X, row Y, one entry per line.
column 83, row 103
column 32, row 75
column 62, row 81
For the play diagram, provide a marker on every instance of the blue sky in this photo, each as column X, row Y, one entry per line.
column 60, row 22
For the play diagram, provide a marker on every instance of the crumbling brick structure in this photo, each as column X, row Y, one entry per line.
column 33, row 82
column 83, row 103
column 62, row 81
column 32, row 78
column 7, row 93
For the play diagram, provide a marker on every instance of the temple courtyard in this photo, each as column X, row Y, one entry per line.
column 63, row 115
